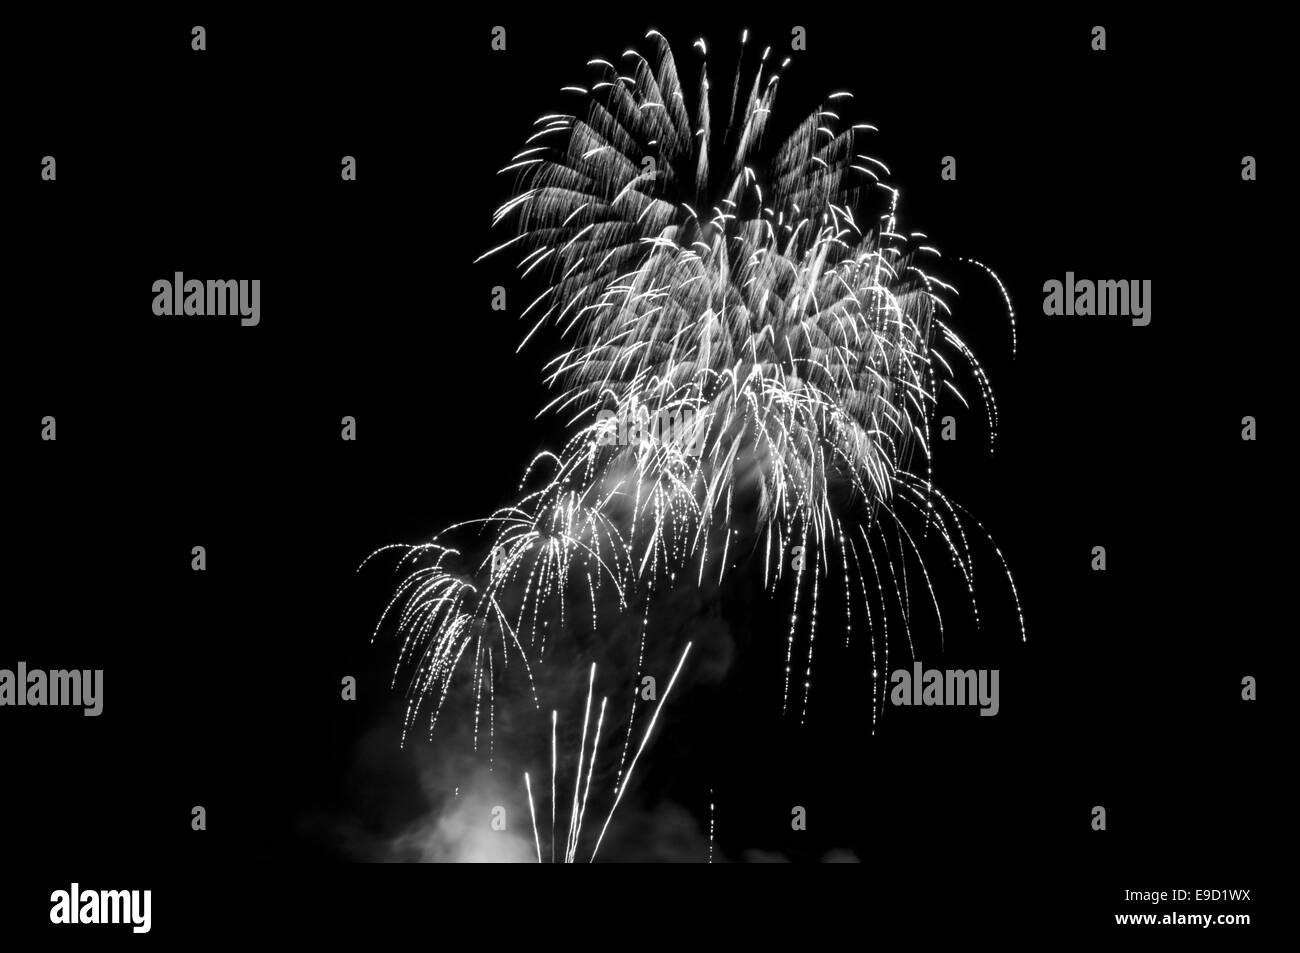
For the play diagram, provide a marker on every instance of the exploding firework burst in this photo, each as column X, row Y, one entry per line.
column 760, row 292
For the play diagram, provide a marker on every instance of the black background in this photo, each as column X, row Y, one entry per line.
column 222, row 687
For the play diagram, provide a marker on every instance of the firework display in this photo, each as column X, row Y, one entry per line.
column 758, row 292
column 638, row 436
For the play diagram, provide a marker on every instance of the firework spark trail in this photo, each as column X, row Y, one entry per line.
column 577, row 775
column 554, row 718
column 636, row 679
column 710, row 825
column 644, row 738
column 731, row 280
column 578, row 810
column 528, row 786
column 591, row 767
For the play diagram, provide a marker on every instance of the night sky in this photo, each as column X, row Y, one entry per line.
column 222, row 687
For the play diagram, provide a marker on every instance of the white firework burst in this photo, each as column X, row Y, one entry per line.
column 764, row 295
